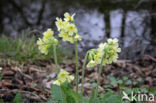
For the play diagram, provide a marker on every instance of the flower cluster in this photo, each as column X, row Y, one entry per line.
column 62, row 77
column 108, row 51
column 47, row 41
column 67, row 28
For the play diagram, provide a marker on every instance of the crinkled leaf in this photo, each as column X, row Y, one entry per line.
column 57, row 93
column 18, row 98
column 117, row 98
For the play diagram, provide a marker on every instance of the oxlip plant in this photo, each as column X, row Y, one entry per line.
column 106, row 53
column 46, row 43
column 69, row 33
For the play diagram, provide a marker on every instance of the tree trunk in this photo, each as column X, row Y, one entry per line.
column 107, row 24
column 1, row 17
column 40, row 15
column 123, row 24
column 153, row 24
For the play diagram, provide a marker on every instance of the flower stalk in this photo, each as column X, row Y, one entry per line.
column 99, row 75
column 83, row 72
column 77, row 72
column 55, row 58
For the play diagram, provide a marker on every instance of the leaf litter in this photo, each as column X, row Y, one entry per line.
column 34, row 81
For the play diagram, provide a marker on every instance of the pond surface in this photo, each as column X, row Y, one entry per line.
column 92, row 26
column 90, row 22
column 134, row 43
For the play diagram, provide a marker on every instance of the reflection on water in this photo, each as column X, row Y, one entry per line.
column 136, row 40
column 92, row 26
column 129, row 22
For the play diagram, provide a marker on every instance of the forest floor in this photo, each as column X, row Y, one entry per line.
column 35, row 80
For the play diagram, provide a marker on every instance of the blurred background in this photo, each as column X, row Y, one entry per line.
column 131, row 21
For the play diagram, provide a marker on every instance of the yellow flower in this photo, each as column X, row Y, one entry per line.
column 47, row 34
column 91, row 63
column 65, row 24
column 71, row 29
column 42, row 46
column 57, row 82
column 44, row 49
column 112, row 40
column 71, row 39
column 63, row 74
column 109, row 50
column 47, row 41
column 78, row 37
column 68, row 17
column 40, row 42
column 67, row 29
column 70, row 78
column 59, row 23
column 65, row 35
column 62, row 77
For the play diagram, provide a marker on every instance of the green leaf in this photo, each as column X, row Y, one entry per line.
column 107, row 95
column 70, row 95
column 128, row 90
column 129, row 82
column 18, row 98
column 134, row 83
column 93, row 85
column 96, row 100
column 125, row 78
column 108, row 86
column 126, row 101
column 152, row 90
column 117, row 98
column 35, row 84
column 50, row 100
column 121, row 85
column 1, row 101
column 92, row 96
column 144, row 90
column 139, row 80
column 91, row 80
column 57, row 93
column 113, row 80
column 46, row 90
column 120, row 81
column 136, row 90
column 85, row 100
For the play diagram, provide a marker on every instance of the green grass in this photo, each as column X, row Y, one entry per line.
column 26, row 50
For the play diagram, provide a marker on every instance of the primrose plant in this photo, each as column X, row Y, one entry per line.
column 47, row 42
column 105, row 54
column 69, row 32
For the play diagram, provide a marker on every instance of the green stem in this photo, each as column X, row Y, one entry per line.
column 55, row 58
column 83, row 72
column 99, row 74
column 77, row 72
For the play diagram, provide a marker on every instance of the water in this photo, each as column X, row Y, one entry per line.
column 92, row 26
column 90, row 23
